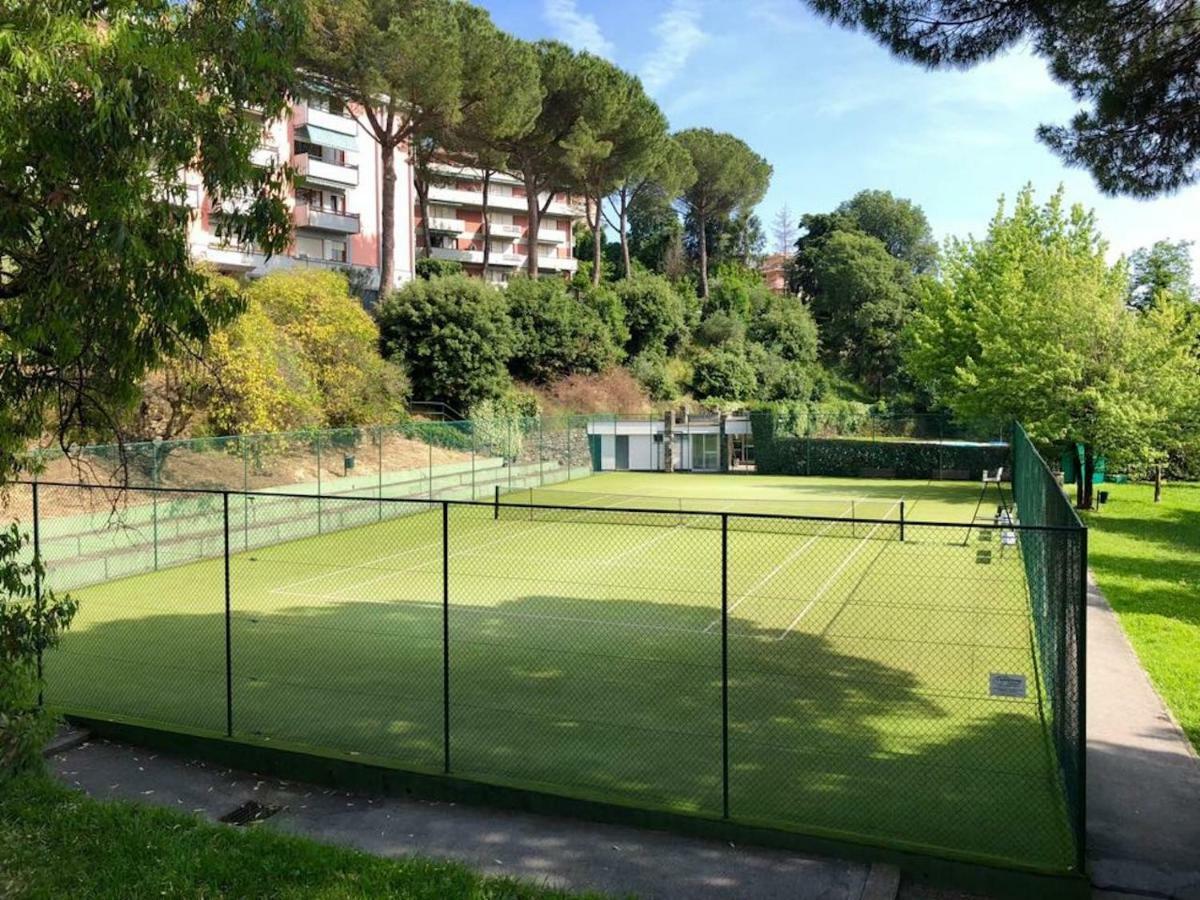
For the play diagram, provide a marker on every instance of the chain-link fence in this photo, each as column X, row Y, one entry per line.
column 1056, row 573
column 866, row 677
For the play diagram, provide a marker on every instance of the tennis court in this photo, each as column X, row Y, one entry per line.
column 576, row 637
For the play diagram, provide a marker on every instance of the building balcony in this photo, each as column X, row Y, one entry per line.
column 265, row 155
column 552, row 236
column 474, row 200
column 446, row 226
column 307, row 216
column 319, row 171
column 303, row 114
column 503, row 229
column 462, row 256
column 227, row 257
column 506, row 260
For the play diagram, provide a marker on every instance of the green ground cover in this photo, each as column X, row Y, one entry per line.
column 585, row 655
column 55, row 842
column 1146, row 558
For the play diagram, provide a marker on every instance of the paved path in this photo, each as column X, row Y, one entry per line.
column 1143, row 790
column 563, row 853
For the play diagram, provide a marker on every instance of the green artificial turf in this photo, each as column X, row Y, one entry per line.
column 585, row 651
column 55, row 842
column 1146, row 558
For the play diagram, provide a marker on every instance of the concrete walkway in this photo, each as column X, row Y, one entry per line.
column 562, row 853
column 1143, row 792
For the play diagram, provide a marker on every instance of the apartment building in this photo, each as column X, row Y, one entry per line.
column 456, row 225
column 335, row 204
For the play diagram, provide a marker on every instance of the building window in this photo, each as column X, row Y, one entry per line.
column 326, row 154
column 335, row 251
column 443, row 241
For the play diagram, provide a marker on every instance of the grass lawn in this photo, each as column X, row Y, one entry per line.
column 1146, row 558
column 586, row 652
column 55, row 842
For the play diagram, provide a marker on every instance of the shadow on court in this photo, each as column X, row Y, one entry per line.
column 613, row 700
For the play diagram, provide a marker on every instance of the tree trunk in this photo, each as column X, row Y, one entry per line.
column 703, row 236
column 1089, row 471
column 487, row 224
column 1078, row 478
column 423, row 200
column 624, row 236
column 535, row 218
column 596, row 255
column 1158, row 484
column 387, row 219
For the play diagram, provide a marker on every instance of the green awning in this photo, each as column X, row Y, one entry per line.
column 323, row 137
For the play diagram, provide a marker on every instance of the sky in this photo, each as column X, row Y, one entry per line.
column 835, row 113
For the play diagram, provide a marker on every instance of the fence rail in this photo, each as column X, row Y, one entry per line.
column 818, row 674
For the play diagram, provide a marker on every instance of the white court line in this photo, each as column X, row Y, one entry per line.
column 762, row 582
column 830, row 580
column 286, row 589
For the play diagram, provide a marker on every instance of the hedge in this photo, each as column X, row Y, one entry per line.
column 855, row 457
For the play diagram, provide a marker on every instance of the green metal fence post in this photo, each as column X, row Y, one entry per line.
column 379, row 467
column 471, row 425
column 245, row 496
column 568, row 448
column 446, row 637
column 228, row 627
column 725, row 665
column 154, row 496
column 541, row 456
column 429, row 441
column 37, row 589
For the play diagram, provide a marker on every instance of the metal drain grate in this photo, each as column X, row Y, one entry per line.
column 249, row 812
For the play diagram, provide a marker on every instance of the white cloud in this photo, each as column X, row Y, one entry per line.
column 679, row 36
column 576, row 28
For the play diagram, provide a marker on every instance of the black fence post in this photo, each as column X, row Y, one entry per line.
column 37, row 591
column 725, row 665
column 496, row 502
column 445, row 637
column 228, row 629
column 902, row 521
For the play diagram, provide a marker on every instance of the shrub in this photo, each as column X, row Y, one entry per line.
column 654, row 313
column 453, row 335
column 720, row 328
column 336, row 344
column 785, row 325
column 607, row 305
column 724, row 373
column 28, row 625
column 650, row 368
column 257, row 380
column 736, row 291
column 427, row 267
column 779, row 378
column 554, row 333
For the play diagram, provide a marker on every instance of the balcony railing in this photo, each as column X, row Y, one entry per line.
column 229, row 257
column 474, row 200
column 303, row 114
column 315, row 169
column 265, row 155
column 307, row 215
column 438, row 225
column 506, row 229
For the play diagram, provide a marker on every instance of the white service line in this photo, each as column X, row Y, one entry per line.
column 762, row 582
column 832, row 578
column 286, row 590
